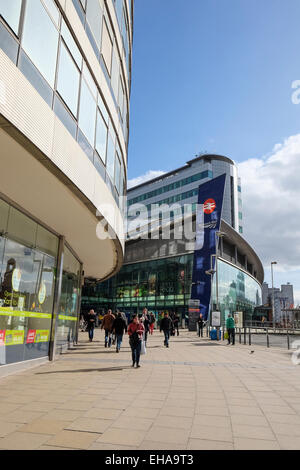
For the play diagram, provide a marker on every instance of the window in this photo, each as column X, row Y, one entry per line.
column 40, row 35
column 68, row 80
column 106, row 50
column 117, row 174
column 110, row 165
column 52, row 10
column 115, row 71
column 10, row 10
column 101, row 137
column 87, row 113
column 94, row 18
column 71, row 44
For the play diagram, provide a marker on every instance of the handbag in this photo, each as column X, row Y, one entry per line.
column 226, row 335
column 143, row 348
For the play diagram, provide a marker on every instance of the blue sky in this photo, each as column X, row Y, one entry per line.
column 212, row 75
column 216, row 76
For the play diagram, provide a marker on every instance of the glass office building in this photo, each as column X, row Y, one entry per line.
column 65, row 78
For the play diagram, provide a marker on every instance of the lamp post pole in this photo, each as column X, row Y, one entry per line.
column 273, row 297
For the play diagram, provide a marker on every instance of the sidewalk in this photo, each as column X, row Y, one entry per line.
column 197, row 394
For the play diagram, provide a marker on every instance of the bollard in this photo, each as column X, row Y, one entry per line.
column 249, row 336
column 245, row 332
column 268, row 343
column 240, row 335
column 288, row 339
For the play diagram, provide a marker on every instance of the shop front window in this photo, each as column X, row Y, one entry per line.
column 69, row 300
column 28, row 262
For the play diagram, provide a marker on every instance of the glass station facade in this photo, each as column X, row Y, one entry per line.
column 165, row 285
column 29, row 255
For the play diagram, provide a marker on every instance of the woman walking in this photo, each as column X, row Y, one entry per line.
column 135, row 332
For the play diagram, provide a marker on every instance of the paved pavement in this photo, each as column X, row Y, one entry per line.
column 195, row 395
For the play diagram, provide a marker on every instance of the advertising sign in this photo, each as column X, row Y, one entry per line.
column 238, row 319
column 210, row 199
column 216, row 319
column 2, row 337
column 30, row 336
column 14, row 337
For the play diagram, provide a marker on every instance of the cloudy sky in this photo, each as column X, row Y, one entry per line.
column 217, row 77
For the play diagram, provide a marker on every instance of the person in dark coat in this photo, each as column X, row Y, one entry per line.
column 200, row 325
column 91, row 321
column 166, row 325
column 118, row 328
column 176, row 323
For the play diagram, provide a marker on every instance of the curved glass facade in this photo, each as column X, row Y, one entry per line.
column 238, row 292
column 64, row 79
column 165, row 285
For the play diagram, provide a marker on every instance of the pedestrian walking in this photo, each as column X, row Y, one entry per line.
column 107, row 324
column 91, row 322
column 135, row 332
column 152, row 322
column 119, row 327
column 230, row 326
column 146, row 323
column 200, row 325
column 166, row 325
column 176, row 323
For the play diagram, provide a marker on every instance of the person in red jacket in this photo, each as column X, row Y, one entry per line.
column 135, row 332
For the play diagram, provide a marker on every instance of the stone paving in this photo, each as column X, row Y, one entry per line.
column 195, row 395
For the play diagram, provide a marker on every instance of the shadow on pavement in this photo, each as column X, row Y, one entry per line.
column 108, row 369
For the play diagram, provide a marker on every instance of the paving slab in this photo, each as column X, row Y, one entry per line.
column 182, row 398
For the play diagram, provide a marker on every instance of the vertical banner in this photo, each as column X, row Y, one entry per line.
column 210, row 199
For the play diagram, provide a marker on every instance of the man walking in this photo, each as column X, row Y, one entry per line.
column 91, row 322
column 119, row 327
column 107, row 325
column 166, row 325
column 230, row 326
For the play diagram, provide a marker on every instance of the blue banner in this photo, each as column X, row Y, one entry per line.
column 211, row 195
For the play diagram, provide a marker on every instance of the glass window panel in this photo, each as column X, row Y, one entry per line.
column 65, row 116
column 40, row 35
column 106, row 50
column 46, row 241
column 89, row 80
column 110, row 164
column 8, row 44
column 71, row 44
column 52, row 10
column 66, row 328
column 86, row 147
column 94, row 17
column 10, row 10
column 87, row 113
column 117, row 173
column 103, row 109
column 4, row 211
column 35, row 78
column 101, row 137
column 21, row 228
column 68, row 80
column 115, row 71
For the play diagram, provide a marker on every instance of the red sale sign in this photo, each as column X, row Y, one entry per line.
column 2, row 337
column 31, row 336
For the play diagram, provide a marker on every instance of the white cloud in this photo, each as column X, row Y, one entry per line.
column 143, row 178
column 271, row 206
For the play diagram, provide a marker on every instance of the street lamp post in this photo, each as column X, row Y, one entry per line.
column 273, row 299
